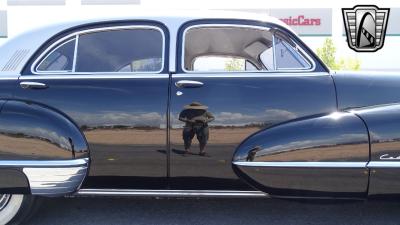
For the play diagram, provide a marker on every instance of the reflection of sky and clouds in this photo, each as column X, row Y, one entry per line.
column 258, row 100
column 104, row 102
column 14, row 123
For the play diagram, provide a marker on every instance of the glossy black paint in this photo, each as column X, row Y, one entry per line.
column 338, row 137
column 7, row 89
column 361, row 89
column 135, row 138
column 383, row 122
column 33, row 131
column 13, row 181
column 241, row 106
column 123, row 120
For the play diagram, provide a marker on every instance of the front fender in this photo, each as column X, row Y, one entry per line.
column 45, row 145
column 318, row 156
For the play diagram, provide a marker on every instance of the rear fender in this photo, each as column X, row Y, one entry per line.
column 383, row 123
column 43, row 144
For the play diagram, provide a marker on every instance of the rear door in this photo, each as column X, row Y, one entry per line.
column 234, row 79
column 112, row 81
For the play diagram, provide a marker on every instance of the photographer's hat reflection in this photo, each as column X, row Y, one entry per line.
column 196, row 118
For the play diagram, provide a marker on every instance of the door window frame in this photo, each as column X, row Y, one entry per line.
column 317, row 64
column 58, row 40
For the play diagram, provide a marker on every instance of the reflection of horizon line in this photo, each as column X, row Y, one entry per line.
column 275, row 152
column 40, row 138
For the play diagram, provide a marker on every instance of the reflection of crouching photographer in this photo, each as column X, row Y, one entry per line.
column 196, row 118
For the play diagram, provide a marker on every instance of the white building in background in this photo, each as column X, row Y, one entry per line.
column 314, row 24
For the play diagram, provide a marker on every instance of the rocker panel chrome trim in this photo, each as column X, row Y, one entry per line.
column 169, row 193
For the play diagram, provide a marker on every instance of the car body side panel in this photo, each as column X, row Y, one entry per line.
column 321, row 156
column 123, row 120
column 242, row 105
column 362, row 89
column 384, row 128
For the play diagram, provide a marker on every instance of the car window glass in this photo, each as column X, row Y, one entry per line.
column 129, row 50
column 151, row 64
column 267, row 58
column 288, row 57
column 249, row 66
column 219, row 63
column 60, row 59
column 229, row 42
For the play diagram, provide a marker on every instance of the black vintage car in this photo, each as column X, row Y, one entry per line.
column 210, row 105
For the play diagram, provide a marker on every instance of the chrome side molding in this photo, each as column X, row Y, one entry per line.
column 304, row 164
column 44, row 163
column 169, row 193
column 369, row 165
column 383, row 164
column 51, row 177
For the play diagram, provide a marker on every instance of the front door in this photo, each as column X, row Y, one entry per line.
column 112, row 81
column 229, row 86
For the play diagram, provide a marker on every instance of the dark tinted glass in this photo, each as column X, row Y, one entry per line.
column 130, row 50
column 61, row 59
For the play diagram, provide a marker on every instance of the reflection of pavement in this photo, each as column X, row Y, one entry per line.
column 99, row 211
column 144, row 160
column 30, row 148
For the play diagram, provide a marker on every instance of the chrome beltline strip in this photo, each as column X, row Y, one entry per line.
column 304, row 164
column 44, row 163
column 169, row 193
column 94, row 76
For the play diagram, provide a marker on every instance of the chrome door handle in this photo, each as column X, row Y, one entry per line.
column 32, row 85
column 188, row 84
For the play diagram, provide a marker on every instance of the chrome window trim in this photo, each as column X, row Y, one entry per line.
column 75, row 52
column 273, row 52
column 53, row 46
column 94, row 76
column 162, row 76
column 240, row 26
column 248, row 75
column 51, row 52
column 304, row 164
